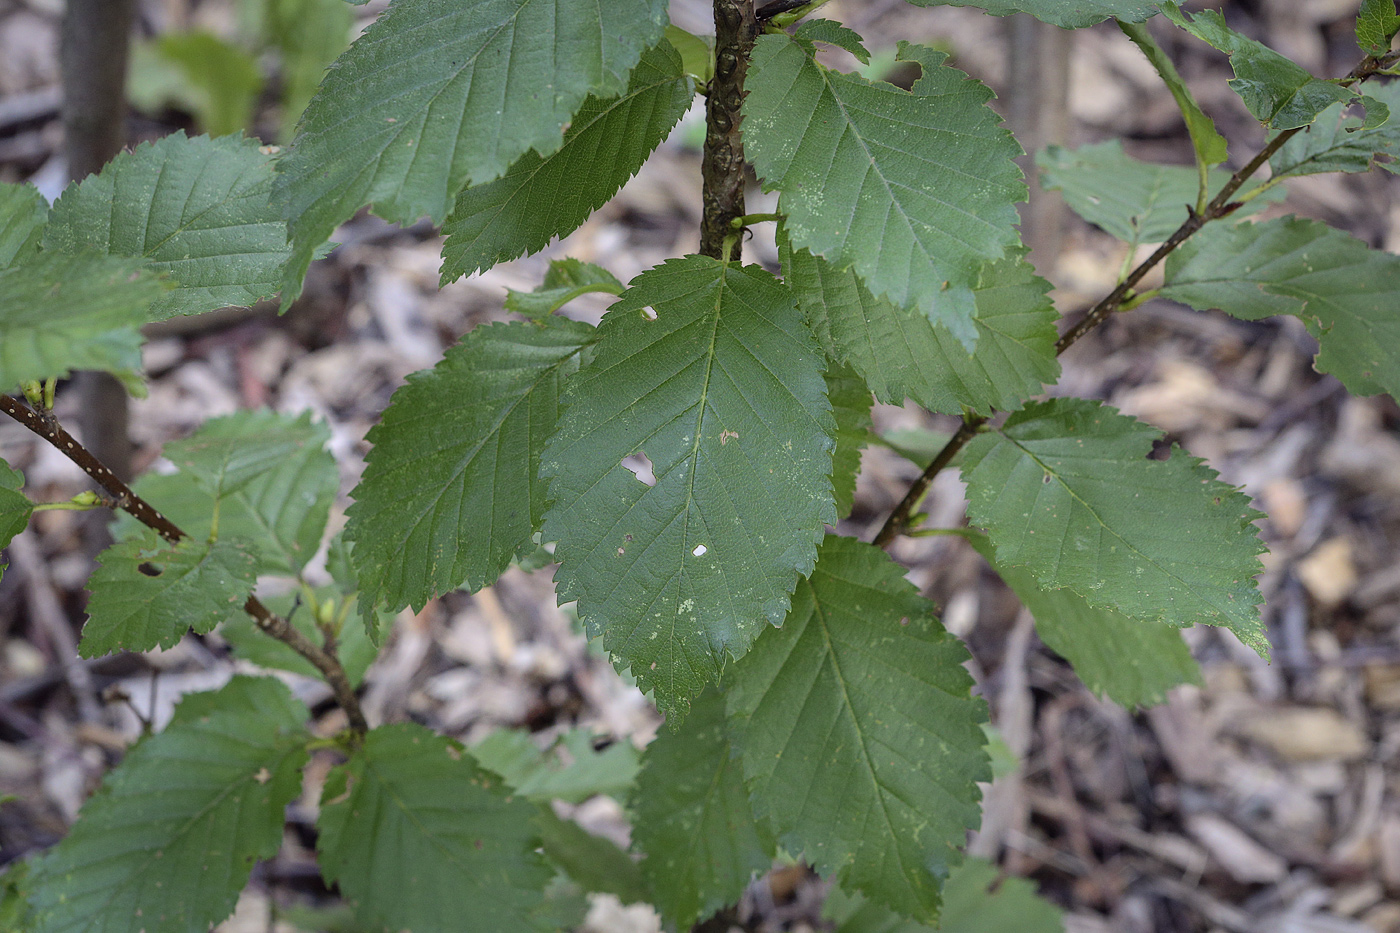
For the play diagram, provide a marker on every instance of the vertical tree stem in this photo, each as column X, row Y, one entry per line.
column 94, row 45
column 723, row 164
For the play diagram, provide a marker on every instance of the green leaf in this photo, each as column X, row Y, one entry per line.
column 14, row 897
column 1376, row 25
column 419, row 838
column 1065, row 489
column 198, row 210
column 1059, row 13
column 450, row 493
column 594, row 862
column 1337, row 143
column 1132, row 662
column 437, row 93
column 146, row 592
column 355, row 647
column 1377, row 112
column 280, row 509
column 168, row 841
column 1209, row 145
column 978, row 898
column 541, row 775
column 309, row 34
column 707, row 370
column 900, row 353
column 1281, row 95
column 697, row 53
column 566, row 280
column 860, row 739
column 1343, row 290
column 15, row 507
column 850, row 404
column 1137, row 202
column 59, row 313
column 216, row 81
column 22, row 214
column 915, row 190
column 542, row 197
column 228, row 454
column 693, row 819
column 833, row 33
column 918, row 445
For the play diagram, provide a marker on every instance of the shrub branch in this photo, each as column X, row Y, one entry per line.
column 1220, row 206
column 46, row 426
column 723, row 164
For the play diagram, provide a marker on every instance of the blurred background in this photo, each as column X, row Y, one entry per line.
column 1266, row 800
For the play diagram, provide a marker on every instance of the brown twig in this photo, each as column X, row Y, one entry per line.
column 1220, row 206
column 266, row 620
column 722, row 166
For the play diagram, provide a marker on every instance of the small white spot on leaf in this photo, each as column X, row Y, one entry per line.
column 700, row 550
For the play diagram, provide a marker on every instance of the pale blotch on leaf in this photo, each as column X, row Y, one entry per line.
column 700, row 550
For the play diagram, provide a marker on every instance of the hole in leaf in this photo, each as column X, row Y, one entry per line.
column 640, row 467
column 149, row 569
column 700, row 550
column 649, row 313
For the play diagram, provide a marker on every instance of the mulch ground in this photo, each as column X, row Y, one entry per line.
column 1264, row 801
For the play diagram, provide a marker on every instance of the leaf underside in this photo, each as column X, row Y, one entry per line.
column 437, row 93
column 566, row 279
column 1132, row 662
column 978, row 898
column 850, row 405
column 1279, row 93
column 1068, row 14
column 540, row 776
column 901, row 353
column 281, row 511
column 861, row 742
column 60, row 313
column 227, row 454
column 1337, row 143
column 169, row 840
column 693, row 820
column 22, row 214
column 1346, row 292
column 708, row 371
column 15, row 507
column 197, row 210
column 914, row 190
column 450, row 492
column 420, row 838
column 1065, row 489
column 1135, row 201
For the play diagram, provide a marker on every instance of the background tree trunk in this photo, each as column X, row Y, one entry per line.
column 1038, row 113
column 95, row 41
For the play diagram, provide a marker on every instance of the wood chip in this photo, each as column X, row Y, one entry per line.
column 1244, row 859
column 1307, row 734
column 1329, row 572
